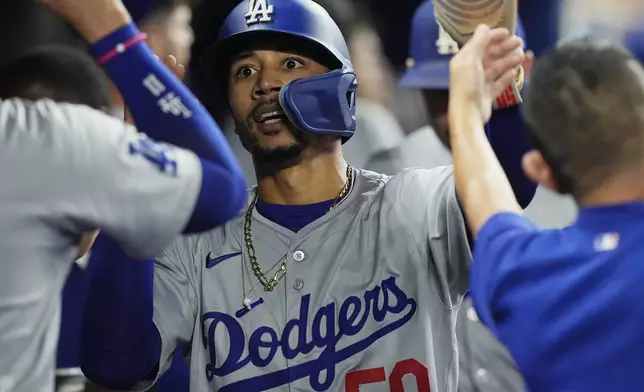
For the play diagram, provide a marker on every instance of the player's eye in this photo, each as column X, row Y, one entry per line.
column 293, row 63
column 245, row 72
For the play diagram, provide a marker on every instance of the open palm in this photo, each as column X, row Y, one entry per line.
column 485, row 67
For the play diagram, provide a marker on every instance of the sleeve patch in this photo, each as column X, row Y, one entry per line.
column 159, row 155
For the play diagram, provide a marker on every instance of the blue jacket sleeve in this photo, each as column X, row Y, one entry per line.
column 165, row 110
column 508, row 139
column 120, row 344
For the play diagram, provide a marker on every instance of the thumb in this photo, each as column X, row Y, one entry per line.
column 480, row 39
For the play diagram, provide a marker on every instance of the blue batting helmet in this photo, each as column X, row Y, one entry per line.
column 323, row 104
column 430, row 51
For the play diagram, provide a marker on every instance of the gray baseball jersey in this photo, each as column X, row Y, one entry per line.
column 368, row 303
column 66, row 169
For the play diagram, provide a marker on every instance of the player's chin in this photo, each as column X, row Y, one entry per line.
column 274, row 135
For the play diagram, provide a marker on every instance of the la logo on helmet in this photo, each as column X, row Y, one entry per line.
column 445, row 44
column 259, row 12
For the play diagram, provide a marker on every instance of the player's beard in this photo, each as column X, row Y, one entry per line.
column 268, row 161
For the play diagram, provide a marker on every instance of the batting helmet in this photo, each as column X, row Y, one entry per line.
column 431, row 49
column 323, row 104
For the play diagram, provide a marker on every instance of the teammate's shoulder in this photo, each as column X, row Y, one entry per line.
column 45, row 115
column 20, row 113
column 43, row 107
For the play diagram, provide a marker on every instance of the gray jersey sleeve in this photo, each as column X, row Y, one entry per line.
column 94, row 171
column 428, row 203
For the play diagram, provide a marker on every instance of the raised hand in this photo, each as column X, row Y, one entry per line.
column 483, row 68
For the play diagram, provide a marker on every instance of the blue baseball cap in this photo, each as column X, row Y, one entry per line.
column 431, row 49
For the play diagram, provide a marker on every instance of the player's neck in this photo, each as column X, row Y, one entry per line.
column 618, row 190
column 313, row 180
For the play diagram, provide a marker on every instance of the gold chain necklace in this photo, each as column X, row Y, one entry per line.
column 269, row 284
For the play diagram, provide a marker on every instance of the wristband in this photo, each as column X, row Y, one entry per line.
column 121, row 47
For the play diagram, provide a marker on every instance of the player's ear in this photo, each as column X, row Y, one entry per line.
column 536, row 168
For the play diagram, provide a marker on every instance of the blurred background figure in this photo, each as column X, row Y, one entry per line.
column 607, row 19
column 167, row 24
column 374, row 145
column 25, row 25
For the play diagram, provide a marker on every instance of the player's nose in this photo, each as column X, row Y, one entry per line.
column 267, row 83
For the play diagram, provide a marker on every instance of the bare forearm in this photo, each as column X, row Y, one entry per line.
column 94, row 28
column 481, row 183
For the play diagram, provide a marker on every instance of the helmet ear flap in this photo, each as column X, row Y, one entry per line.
column 324, row 104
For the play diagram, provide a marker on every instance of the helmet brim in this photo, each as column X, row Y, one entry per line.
column 431, row 75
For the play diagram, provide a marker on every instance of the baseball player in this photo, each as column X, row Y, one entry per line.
column 73, row 169
column 167, row 26
column 431, row 48
column 332, row 279
column 485, row 364
column 571, row 315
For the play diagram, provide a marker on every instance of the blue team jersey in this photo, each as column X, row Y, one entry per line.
column 569, row 304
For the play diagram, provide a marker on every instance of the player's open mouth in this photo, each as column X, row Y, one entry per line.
column 271, row 117
column 271, row 122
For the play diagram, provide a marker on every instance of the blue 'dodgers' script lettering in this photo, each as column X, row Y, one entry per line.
column 328, row 327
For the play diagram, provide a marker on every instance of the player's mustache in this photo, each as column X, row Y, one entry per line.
column 267, row 106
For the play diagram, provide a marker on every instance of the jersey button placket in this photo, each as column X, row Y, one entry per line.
column 298, row 255
column 298, row 272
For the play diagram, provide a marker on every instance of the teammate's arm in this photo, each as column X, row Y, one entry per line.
column 136, row 314
column 481, row 183
column 140, row 192
column 119, row 345
column 164, row 109
column 185, row 193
